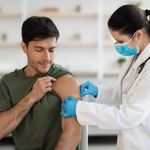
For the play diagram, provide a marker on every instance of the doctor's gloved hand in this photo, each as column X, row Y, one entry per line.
column 88, row 88
column 68, row 107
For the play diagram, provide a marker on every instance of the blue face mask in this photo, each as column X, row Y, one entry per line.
column 125, row 50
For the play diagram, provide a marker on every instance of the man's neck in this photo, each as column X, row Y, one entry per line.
column 29, row 72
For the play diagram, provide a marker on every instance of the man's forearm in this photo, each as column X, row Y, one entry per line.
column 70, row 136
column 67, row 143
column 10, row 119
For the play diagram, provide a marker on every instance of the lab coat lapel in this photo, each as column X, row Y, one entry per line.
column 132, row 73
column 123, row 73
column 142, row 57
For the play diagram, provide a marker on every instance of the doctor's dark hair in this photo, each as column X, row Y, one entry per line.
column 36, row 28
column 127, row 19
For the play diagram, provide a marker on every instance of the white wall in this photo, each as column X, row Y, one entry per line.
column 74, row 58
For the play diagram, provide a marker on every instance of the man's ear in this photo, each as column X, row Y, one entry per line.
column 24, row 47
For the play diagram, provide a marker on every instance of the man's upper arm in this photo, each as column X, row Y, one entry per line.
column 67, row 86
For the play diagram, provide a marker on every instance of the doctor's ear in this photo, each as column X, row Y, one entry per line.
column 24, row 47
column 139, row 34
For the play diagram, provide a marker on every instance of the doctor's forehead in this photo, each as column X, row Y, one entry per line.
column 119, row 36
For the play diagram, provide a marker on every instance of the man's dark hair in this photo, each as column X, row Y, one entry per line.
column 128, row 19
column 37, row 28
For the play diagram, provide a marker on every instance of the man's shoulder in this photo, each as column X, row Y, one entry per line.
column 66, row 85
column 10, row 76
column 58, row 71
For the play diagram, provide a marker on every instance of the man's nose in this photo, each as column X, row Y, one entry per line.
column 47, row 55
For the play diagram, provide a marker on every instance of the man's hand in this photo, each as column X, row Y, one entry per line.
column 88, row 88
column 10, row 119
column 68, row 107
column 41, row 87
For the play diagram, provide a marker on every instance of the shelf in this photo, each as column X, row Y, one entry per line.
column 60, row 45
column 65, row 14
column 84, row 73
column 9, row 45
column 5, row 68
column 108, row 44
column 77, row 44
column 81, row 73
column 10, row 15
column 85, row 16
column 76, row 73
column 69, row 14
column 111, row 72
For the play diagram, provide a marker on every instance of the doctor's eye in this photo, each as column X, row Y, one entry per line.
column 119, row 42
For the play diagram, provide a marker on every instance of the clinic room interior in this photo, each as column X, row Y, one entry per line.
column 85, row 48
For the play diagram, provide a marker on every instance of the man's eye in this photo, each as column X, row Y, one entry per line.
column 51, row 50
column 38, row 49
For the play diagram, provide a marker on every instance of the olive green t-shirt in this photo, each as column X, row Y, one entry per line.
column 41, row 127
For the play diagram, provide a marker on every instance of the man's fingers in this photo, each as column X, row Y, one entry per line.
column 48, row 89
column 53, row 79
column 48, row 79
column 48, row 84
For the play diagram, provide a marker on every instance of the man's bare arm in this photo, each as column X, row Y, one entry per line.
column 70, row 137
column 11, row 118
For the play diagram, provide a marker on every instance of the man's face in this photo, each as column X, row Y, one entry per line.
column 40, row 55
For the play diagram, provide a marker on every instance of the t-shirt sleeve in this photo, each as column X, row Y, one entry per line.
column 5, row 99
column 58, row 71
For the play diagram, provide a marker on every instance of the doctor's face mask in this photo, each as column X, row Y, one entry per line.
column 125, row 50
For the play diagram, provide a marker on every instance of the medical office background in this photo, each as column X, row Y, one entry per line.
column 85, row 46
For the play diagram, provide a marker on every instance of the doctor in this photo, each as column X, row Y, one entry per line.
column 130, row 27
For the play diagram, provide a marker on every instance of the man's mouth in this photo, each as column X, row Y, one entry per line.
column 45, row 64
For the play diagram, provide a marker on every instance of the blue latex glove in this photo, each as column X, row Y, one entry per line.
column 88, row 88
column 68, row 107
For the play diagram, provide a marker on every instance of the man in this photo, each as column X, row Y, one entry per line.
column 30, row 98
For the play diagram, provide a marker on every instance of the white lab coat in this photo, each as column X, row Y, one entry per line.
column 132, row 117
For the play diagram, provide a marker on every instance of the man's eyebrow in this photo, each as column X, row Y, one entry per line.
column 38, row 46
column 52, row 47
column 44, row 47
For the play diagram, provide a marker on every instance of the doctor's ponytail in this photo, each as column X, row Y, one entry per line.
column 127, row 19
column 147, row 12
